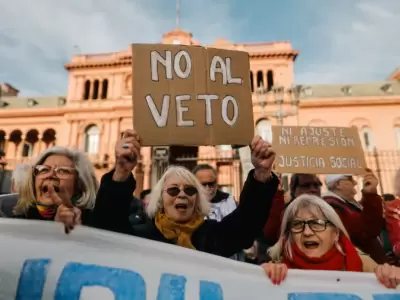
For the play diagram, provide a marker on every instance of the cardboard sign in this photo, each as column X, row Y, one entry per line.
column 190, row 95
column 93, row 264
column 318, row 150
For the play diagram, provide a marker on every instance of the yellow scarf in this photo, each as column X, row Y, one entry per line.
column 181, row 233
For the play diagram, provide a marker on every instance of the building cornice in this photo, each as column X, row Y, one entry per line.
column 126, row 60
column 346, row 102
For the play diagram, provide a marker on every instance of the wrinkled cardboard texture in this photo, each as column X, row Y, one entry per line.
column 323, row 151
column 197, row 83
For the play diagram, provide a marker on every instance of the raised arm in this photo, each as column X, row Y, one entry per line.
column 114, row 197
column 239, row 229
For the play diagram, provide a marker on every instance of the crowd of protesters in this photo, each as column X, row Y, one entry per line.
column 304, row 229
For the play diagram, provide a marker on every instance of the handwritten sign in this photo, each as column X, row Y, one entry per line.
column 318, row 150
column 92, row 264
column 191, row 95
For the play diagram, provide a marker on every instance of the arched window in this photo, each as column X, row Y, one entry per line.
column 86, row 92
column 270, row 80
column 260, row 79
column 367, row 139
column 95, row 90
column 104, row 89
column 264, row 129
column 92, row 139
column 27, row 150
column 397, row 136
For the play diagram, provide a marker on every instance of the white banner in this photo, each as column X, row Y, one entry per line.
column 38, row 261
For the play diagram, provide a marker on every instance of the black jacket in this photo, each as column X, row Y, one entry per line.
column 137, row 215
column 7, row 203
column 235, row 232
column 103, row 216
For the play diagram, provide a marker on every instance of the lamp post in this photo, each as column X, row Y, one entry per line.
column 280, row 95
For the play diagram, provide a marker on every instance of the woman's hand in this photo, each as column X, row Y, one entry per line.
column 66, row 212
column 262, row 157
column 276, row 272
column 388, row 275
column 127, row 153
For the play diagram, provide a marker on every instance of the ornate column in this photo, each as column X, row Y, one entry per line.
column 237, row 186
column 5, row 147
column 99, row 91
column 73, row 136
column 104, row 138
column 79, row 88
column 21, row 147
column 37, row 146
column 147, row 175
column 91, row 89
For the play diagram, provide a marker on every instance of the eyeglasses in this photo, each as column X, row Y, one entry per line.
column 315, row 225
column 61, row 172
column 174, row 191
column 209, row 184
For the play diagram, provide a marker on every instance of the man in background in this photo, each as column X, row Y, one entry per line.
column 222, row 204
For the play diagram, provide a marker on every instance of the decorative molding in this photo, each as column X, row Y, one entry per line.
column 360, row 123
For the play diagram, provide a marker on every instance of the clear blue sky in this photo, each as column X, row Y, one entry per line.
column 341, row 41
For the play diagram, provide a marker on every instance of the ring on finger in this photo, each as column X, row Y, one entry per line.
column 125, row 146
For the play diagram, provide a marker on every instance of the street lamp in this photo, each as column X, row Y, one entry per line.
column 280, row 94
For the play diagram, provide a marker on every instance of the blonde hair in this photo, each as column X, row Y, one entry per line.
column 86, row 182
column 18, row 176
column 315, row 205
column 156, row 199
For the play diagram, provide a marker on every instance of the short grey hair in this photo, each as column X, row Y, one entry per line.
column 87, row 181
column 18, row 176
column 315, row 205
column 156, row 200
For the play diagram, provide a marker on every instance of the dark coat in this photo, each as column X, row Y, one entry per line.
column 235, row 232
column 363, row 223
column 7, row 203
column 137, row 215
column 91, row 218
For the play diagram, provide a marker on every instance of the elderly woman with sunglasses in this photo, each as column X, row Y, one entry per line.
column 60, row 186
column 314, row 238
column 178, row 203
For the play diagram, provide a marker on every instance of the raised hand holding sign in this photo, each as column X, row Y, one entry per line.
column 127, row 154
column 262, row 157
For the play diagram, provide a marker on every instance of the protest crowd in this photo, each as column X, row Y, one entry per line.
column 309, row 230
column 303, row 229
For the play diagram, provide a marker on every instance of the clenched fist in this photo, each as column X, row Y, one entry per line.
column 262, row 157
column 127, row 154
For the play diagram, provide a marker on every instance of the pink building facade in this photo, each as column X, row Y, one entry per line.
column 98, row 108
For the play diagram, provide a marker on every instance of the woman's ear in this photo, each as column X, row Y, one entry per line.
column 337, row 235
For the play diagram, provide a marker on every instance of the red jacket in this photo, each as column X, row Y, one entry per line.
column 364, row 222
column 273, row 226
column 393, row 224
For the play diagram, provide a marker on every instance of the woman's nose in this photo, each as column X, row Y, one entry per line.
column 181, row 193
column 307, row 230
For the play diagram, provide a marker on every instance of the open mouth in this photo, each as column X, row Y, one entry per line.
column 45, row 188
column 311, row 245
column 181, row 207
